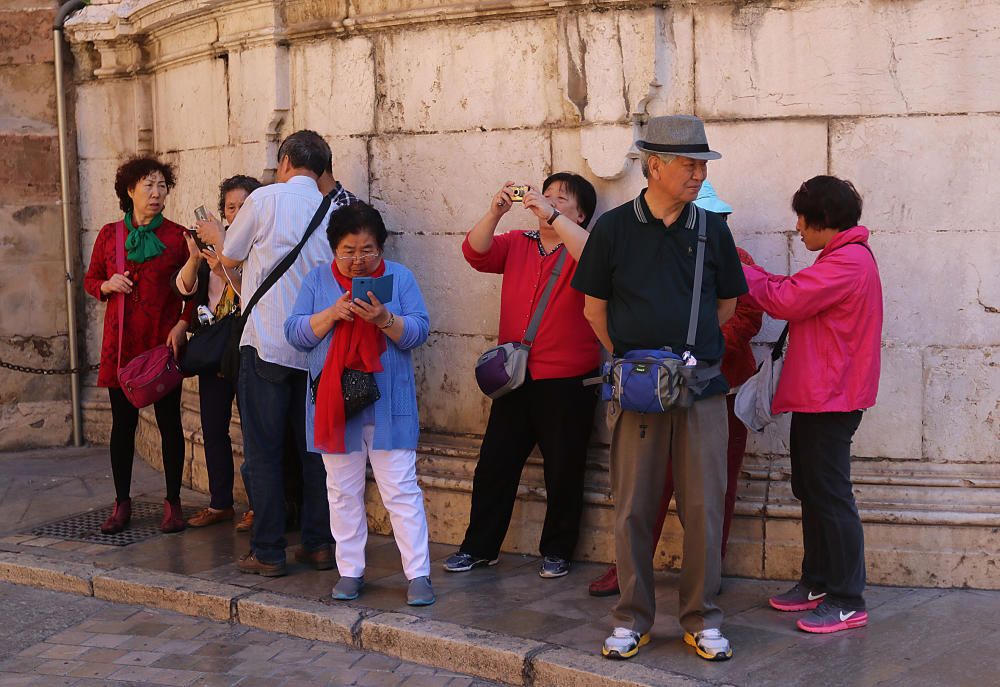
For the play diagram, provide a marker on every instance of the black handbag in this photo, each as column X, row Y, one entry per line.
column 205, row 351
column 360, row 391
column 358, row 388
column 230, row 359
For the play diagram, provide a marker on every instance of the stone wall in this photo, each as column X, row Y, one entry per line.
column 429, row 107
column 34, row 409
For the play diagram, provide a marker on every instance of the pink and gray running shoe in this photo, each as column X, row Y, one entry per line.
column 798, row 598
column 832, row 617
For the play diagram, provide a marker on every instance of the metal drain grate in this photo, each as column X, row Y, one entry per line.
column 145, row 524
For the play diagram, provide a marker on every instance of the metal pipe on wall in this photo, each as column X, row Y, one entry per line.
column 74, row 361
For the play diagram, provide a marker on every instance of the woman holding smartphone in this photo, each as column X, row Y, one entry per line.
column 204, row 280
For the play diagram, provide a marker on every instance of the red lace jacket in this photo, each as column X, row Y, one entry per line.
column 153, row 307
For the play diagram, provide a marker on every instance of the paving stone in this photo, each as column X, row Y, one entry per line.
column 95, row 670
column 580, row 669
column 45, row 573
column 139, row 658
column 62, row 651
column 160, row 676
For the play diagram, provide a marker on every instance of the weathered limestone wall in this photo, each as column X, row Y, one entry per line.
column 429, row 107
column 34, row 409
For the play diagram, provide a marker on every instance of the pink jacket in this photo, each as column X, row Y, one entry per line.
column 834, row 310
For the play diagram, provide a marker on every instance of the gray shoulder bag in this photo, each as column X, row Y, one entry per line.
column 502, row 369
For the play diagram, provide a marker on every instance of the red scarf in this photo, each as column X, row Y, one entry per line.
column 357, row 345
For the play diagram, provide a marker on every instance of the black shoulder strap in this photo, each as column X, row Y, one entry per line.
column 699, row 275
column 289, row 259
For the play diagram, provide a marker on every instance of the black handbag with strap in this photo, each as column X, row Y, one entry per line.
column 230, row 362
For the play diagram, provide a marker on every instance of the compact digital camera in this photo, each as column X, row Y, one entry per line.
column 517, row 193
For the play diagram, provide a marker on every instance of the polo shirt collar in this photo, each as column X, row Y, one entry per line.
column 645, row 215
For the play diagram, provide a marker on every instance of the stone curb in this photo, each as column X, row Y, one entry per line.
column 452, row 647
column 188, row 595
column 447, row 646
column 299, row 617
column 48, row 573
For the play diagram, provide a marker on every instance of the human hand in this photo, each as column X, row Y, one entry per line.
column 210, row 231
column 501, row 202
column 538, row 204
column 341, row 309
column 177, row 338
column 119, row 283
column 194, row 252
column 213, row 262
column 373, row 312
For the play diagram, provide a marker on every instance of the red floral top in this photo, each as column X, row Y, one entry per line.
column 153, row 307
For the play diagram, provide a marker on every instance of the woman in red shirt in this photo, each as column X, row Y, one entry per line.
column 154, row 315
column 552, row 408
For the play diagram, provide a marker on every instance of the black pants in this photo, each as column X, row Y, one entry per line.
column 833, row 540
column 216, row 401
column 125, row 420
column 557, row 415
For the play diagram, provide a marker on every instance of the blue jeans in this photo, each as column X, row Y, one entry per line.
column 271, row 397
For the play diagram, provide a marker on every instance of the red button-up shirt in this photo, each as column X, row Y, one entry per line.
column 153, row 307
column 565, row 345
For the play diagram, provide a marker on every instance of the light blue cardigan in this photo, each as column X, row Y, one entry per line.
column 397, row 425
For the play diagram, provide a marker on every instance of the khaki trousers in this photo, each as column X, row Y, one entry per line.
column 641, row 444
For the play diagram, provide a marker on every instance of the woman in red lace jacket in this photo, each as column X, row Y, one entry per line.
column 154, row 314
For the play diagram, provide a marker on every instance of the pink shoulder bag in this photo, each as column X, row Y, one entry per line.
column 151, row 375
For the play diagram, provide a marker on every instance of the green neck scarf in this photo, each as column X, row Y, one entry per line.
column 142, row 243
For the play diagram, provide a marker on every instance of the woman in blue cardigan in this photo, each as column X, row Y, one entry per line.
column 349, row 340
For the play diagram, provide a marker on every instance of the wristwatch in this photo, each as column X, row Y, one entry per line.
column 552, row 218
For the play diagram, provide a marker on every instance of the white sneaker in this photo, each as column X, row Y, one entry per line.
column 710, row 644
column 623, row 643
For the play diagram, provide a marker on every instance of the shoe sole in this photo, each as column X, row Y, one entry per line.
column 793, row 608
column 849, row 624
column 421, row 602
column 615, row 655
column 264, row 573
column 345, row 597
column 483, row 564
column 604, row 592
column 721, row 656
column 552, row 576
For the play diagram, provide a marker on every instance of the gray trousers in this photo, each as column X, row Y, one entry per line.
column 695, row 439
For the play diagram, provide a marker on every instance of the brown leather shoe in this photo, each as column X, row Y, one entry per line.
column 173, row 517
column 119, row 518
column 246, row 522
column 320, row 559
column 207, row 516
column 249, row 564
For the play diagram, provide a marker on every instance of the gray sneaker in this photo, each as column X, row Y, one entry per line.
column 348, row 588
column 420, row 593
column 552, row 566
column 464, row 562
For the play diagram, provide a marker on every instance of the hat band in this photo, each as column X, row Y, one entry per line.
column 669, row 148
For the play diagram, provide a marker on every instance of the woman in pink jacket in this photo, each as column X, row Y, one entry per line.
column 830, row 375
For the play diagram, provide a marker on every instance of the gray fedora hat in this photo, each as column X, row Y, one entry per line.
column 682, row 135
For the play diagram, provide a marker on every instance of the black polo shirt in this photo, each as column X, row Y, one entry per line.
column 645, row 271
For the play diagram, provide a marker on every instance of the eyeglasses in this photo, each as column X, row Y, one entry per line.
column 364, row 256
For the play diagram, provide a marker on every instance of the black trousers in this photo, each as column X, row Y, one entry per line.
column 557, row 415
column 216, row 402
column 125, row 421
column 833, row 540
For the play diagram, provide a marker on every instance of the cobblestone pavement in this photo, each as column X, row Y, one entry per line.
column 48, row 638
column 916, row 637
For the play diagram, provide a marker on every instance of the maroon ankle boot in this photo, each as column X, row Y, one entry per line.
column 173, row 517
column 119, row 518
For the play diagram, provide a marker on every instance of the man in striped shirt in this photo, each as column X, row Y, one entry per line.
column 273, row 380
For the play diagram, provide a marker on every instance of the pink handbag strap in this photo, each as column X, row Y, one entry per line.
column 120, row 266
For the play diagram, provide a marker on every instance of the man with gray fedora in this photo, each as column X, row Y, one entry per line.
column 638, row 274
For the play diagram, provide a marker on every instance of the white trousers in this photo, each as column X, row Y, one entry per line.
column 396, row 477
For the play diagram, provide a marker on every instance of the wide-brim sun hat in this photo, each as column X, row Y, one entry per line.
column 708, row 200
column 682, row 135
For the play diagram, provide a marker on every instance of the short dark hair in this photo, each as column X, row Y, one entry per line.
column 356, row 218
column 306, row 149
column 828, row 202
column 248, row 184
column 134, row 170
column 580, row 188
